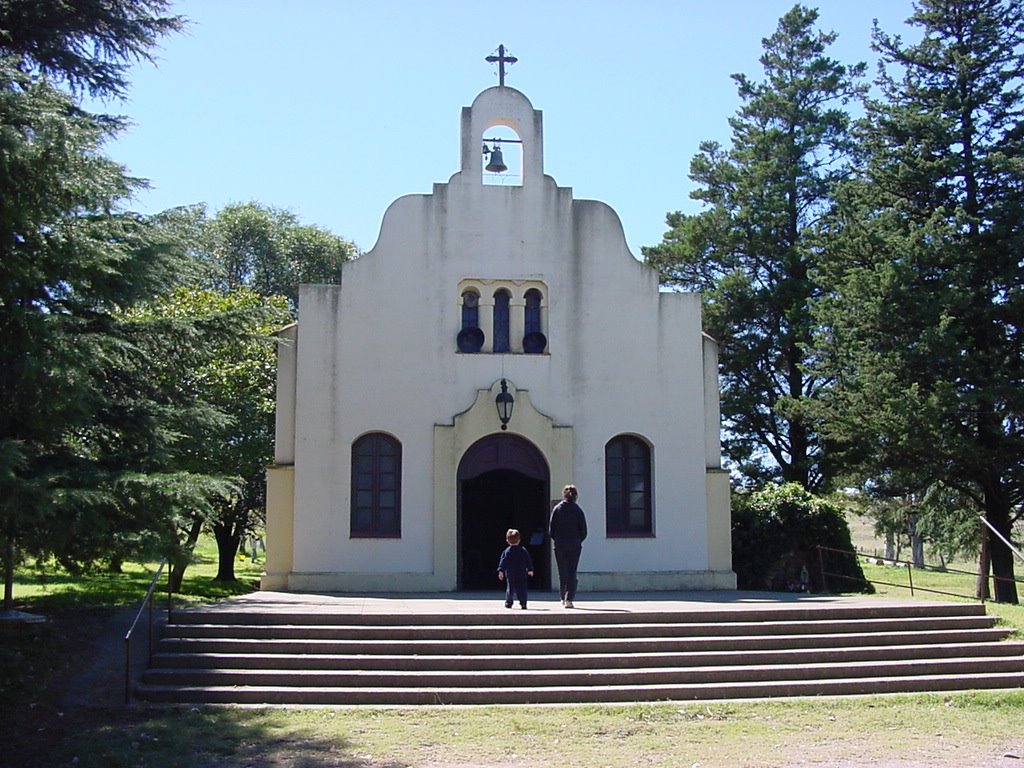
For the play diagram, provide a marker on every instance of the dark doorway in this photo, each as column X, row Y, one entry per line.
column 503, row 483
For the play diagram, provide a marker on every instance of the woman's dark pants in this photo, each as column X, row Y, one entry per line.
column 568, row 560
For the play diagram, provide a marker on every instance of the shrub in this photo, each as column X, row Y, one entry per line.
column 775, row 534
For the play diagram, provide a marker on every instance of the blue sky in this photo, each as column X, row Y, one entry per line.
column 334, row 108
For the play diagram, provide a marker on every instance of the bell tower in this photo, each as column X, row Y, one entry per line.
column 486, row 127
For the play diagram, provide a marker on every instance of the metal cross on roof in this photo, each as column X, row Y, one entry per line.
column 502, row 59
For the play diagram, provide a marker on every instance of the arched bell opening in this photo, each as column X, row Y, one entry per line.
column 502, row 156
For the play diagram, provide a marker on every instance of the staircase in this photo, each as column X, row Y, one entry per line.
column 603, row 653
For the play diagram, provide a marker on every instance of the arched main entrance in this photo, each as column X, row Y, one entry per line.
column 503, row 483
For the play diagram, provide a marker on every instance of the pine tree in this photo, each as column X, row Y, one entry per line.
column 923, row 333
column 752, row 252
column 85, row 435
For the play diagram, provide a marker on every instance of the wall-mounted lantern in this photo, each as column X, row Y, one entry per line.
column 504, row 402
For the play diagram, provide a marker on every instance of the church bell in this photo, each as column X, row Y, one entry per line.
column 496, row 163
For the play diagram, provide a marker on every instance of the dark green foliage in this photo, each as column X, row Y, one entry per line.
column 752, row 252
column 79, row 422
column 87, row 44
column 268, row 250
column 124, row 426
column 232, row 376
column 91, row 458
column 776, row 532
column 921, row 332
column 250, row 259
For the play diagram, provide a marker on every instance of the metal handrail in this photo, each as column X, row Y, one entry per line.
column 147, row 600
column 1002, row 538
column 910, row 578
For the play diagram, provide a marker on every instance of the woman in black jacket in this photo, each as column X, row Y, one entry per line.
column 568, row 529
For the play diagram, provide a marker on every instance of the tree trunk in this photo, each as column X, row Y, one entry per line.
column 890, row 545
column 180, row 561
column 916, row 542
column 9, row 574
column 997, row 514
column 228, row 536
column 981, row 585
column 1004, row 587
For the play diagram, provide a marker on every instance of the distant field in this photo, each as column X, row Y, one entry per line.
column 863, row 535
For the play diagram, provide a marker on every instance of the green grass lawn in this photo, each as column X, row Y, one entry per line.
column 46, row 588
column 934, row 584
column 976, row 730
column 912, row 731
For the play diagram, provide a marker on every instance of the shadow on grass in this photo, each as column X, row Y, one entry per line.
column 41, row 663
column 200, row 736
column 196, row 737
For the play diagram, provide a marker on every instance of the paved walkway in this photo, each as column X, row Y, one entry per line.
column 494, row 602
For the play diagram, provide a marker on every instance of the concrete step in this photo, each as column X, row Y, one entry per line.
column 389, row 662
column 495, row 678
column 527, row 631
column 477, row 653
column 511, row 694
column 582, row 615
column 533, row 648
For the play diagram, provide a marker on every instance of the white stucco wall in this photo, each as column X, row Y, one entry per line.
column 378, row 353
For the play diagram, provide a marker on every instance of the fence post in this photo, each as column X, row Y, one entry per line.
column 821, row 567
column 910, row 578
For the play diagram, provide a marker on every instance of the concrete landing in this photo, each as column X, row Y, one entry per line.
column 470, row 603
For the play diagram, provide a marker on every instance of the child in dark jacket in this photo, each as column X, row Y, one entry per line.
column 515, row 566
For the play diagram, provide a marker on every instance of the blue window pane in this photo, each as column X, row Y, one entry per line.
column 362, row 520
column 532, row 313
column 388, row 521
column 501, row 322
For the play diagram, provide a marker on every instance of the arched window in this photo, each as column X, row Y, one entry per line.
column 470, row 338
column 534, row 340
column 627, row 474
column 470, row 310
column 501, row 338
column 532, row 324
column 376, row 487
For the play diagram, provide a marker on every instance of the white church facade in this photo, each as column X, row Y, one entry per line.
column 498, row 342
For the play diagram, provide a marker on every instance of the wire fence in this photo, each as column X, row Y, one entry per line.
column 904, row 566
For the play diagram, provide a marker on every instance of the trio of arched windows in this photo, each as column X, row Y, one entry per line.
column 512, row 320
column 377, row 487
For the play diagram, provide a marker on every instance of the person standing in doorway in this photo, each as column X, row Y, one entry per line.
column 568, row 529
